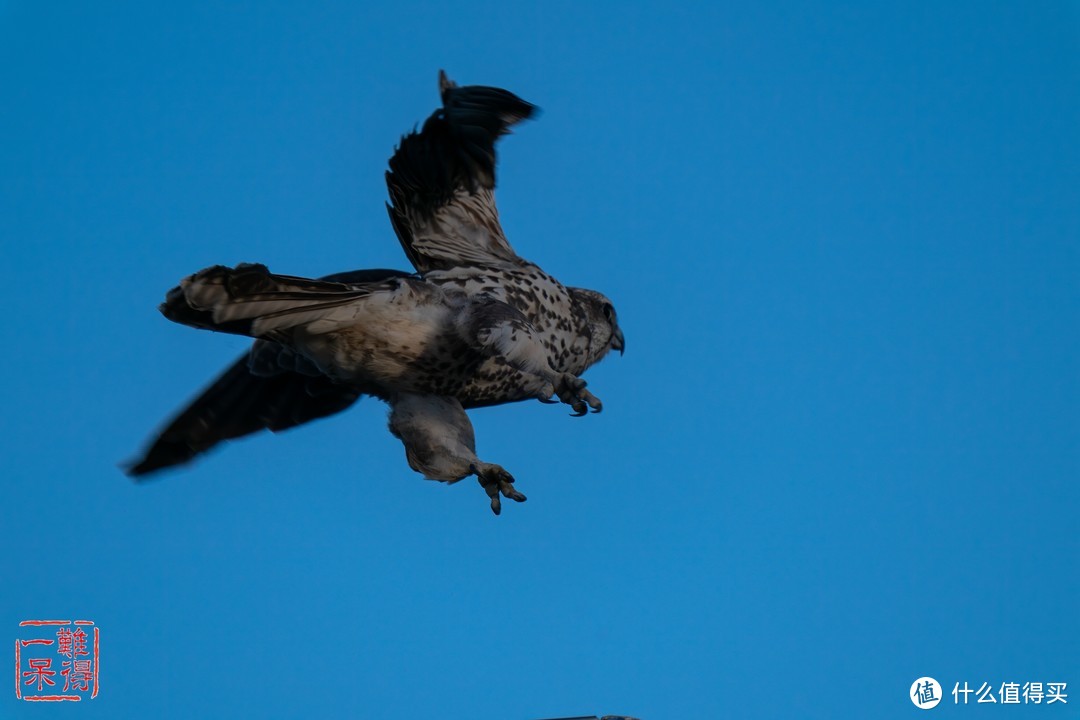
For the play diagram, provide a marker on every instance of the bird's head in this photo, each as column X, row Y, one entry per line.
column 603, row 324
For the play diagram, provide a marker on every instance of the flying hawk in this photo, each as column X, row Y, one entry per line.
column 475, row 325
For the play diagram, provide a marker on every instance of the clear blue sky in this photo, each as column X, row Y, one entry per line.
column 840, row 453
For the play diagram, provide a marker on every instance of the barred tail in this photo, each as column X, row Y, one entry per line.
column 249, row 300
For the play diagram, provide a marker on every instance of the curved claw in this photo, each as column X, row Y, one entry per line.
column 571, row 390
column 511, row 492
column 593, row 402
column 494, row 480
column 492, row 490
column 548, row 401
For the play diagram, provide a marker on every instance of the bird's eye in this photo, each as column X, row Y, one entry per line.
column 609, row 312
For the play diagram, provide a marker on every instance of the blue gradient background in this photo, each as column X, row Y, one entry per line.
column 840, row 453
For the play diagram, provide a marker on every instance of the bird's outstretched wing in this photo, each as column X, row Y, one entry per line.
column 442, row 180
column 239, row 403
column 271, row 387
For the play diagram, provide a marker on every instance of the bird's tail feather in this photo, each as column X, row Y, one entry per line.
column 249, row 300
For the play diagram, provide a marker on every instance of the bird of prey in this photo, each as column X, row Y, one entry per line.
column 474, row 325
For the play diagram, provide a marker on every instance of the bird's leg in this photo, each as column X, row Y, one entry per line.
column 440, row 443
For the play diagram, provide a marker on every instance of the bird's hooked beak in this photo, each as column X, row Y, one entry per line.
column 618, row 342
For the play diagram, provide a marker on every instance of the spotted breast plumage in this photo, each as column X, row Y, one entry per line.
column 474, row 325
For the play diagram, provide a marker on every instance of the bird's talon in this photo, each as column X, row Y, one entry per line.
column 495, row 480
column 571, row 390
